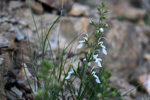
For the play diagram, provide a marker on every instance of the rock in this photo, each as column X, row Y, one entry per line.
column 4, row 27
column 147, row 57
column 2, row 83
column 57, row 4
column 127, row 12
column 36, row 6
column 4, row 66
column 79, row 10
column 124, row 87
column 122, row 47
column 8, row 19
column 11, row 38
column 3, row 42
column 11, row 29
column 19, row 35
column 11, row 96
column 15, row 4
column 142, row 38
column 23, row 77
column 144, row 80
column 28, row 19
column 70, row 28
column 1, row 61
column 146, row 30
column 23, row 23
column 17, row 92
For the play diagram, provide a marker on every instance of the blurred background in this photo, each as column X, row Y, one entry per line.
column 127, row 38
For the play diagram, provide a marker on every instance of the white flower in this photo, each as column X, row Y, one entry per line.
column 104, row 51
column 82, row 42
column 84, row 59
column 80, row 46
column 101, row 30
column 97, row 60
column 103, row 48
column 106, row 25
column 89, row 64
column 98, row 31
column 69, row 74
column 96, row 77
column 91, row 21
column 85, row 38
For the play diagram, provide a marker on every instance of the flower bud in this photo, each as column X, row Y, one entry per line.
column 99, row 95
column 56, row 85
column 104, row 17
column 97, row 31
column 36, row 94
column 50, row 78
column 103, row 4
column 109, row 85
column 41, row 91
column 92, row 22
column 107, row 74
column 105, row 25
column 104, row 80
column 101, row 30
column 106, row 11
column 116, row 89
column 40, row 75
column 112, row 94
column 119, row 94
column 99, row 9
column 46, row 66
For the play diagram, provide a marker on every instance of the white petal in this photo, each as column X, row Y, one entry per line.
column 89, row 64
column 97, row 31
column 71, row 72
column 82, row 41
column 104, row 51
column 93, row 73
column 99, row 59
column 68, row 77
column 101, row 42
column 84, row 59
column 95, row 56
column 80, row 46
column 97, row 80
column 85, row 38
column 99, row 64
column 103, row 46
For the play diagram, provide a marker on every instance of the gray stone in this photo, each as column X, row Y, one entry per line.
column 17, row 92
column 123, row 48
column 58, row 3
column 3, row 42
column 15, row 4
column 4, row 27
column 79, row 10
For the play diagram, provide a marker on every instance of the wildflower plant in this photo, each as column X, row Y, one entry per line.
column 53, row 84
column 95, row 85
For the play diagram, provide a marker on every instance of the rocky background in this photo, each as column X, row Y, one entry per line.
column 128, row 40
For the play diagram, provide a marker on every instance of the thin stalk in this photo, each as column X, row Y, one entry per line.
column 35, row 24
